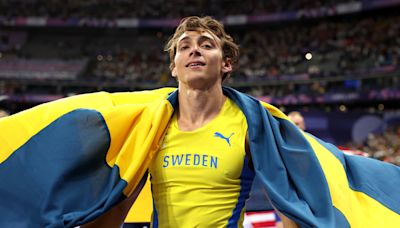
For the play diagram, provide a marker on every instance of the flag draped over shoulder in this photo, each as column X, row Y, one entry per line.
column 311, row 181
column 65, row 163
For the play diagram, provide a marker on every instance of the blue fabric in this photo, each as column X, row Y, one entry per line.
column 246, row 179
column 154, row 221
column 363, row 173
column 283, row 163
column 290, row 172
column 277, row 218
column 43, row 175
column 258, row 200
column 44, row 184
column 340, row 220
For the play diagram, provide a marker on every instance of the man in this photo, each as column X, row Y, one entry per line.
column 208, row 183
column 198, row 184
column 72, row 160
column 297, row 119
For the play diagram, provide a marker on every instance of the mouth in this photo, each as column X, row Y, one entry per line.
column 195, row 64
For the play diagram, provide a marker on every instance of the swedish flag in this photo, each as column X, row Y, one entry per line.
column 311, row 181
column 66, row 162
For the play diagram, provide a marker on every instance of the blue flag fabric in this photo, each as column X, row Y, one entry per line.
column 87, row 157
column 312, row 182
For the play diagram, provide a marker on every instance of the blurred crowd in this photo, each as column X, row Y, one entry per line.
column 326, row 49
column 273, row 58
column 385, row 146
column 336, row 47
column 346, row 49
column 331, row 47
column 105, row 9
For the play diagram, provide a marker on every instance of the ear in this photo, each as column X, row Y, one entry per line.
column 173, row 72
column 226, row 66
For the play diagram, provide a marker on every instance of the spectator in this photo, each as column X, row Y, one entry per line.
column 297, row 119
column 3, row 113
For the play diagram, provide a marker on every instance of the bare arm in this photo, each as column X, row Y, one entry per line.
column 287, row 223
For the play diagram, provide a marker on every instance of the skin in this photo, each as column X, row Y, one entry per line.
column 298, row 120
column 3, row 113
column 198, row 67
column 200, row 97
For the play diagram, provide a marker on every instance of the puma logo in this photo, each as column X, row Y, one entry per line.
column 227, row 139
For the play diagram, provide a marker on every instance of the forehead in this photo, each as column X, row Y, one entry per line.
column 194, row 35
column 298, row 118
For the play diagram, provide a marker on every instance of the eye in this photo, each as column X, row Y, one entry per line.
column 206, row 46
column 183, row 47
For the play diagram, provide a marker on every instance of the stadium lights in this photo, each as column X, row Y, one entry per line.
column 308, row 56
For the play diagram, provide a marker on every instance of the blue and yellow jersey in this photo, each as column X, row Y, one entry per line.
column 201, row 178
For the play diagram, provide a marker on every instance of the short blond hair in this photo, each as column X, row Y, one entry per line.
column 230, row 49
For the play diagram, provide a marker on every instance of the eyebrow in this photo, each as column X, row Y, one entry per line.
column 200, row 39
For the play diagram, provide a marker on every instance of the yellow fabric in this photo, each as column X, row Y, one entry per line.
column 196, row 175
column 142, row 209
column 137, row 122
column 274, row 111
column 359, row 209
column 132, row 109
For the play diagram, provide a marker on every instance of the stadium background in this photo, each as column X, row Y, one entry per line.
column 337, row 62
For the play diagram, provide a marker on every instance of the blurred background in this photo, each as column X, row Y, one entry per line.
column 335, row 62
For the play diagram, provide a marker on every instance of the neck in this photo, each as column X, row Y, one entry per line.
column 198, row 106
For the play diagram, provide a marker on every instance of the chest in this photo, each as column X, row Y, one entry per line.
column 211, row 155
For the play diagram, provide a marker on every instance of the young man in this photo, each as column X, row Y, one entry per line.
column 201, row 176
column 97, row 148
column 210, row 186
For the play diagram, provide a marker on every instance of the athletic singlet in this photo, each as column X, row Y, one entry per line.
column 202, row 178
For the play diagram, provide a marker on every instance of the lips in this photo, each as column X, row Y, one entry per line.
column 195, row 64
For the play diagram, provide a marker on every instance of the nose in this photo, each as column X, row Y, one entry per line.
column 195, row 51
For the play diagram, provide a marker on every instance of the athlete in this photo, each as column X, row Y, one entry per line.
column 202, row 175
